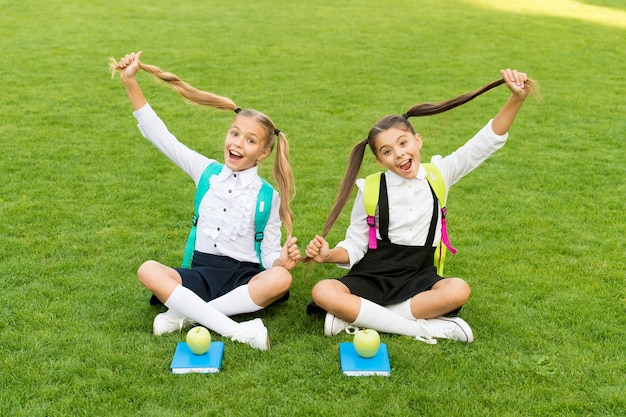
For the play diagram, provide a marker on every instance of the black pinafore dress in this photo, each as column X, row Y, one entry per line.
column 394, row 273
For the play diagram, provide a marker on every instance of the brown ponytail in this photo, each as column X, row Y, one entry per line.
column 387, row 122
column 428, row 109
column 347, row 184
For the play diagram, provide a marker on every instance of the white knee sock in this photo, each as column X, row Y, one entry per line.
column 188, row 304
column 237, row 301
column 377, row 317
column 403, row 308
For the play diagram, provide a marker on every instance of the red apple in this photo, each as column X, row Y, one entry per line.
column 199, row 340
column 366, row 342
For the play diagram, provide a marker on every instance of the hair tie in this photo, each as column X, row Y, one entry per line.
column 405, row 116
column 276, row 132
column 237, row 110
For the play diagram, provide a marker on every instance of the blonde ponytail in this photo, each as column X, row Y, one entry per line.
column 203, row 98
column 283, row 176
column 282, row 173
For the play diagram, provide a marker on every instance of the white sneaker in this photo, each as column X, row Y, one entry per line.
column 253, row 333
column 425, row 333
column 334, row 325
column 454, row 328
column 169, row 322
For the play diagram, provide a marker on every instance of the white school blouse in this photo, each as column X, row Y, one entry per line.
column 411, row 201
column 226, row 214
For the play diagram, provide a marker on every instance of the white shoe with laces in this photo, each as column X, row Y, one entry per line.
column 334, row 325
column 169, row 322
column 426, row 335
column 253, row 333
column 454, row 328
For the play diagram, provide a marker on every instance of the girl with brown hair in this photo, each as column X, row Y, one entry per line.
column 395, row 288
column 226, row 275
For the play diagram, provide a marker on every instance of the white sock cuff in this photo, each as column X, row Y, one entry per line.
column 190, row 305
column 240, row 297
column 369, row 310
column 238, row 301
column 176, row 297
column 402, row 308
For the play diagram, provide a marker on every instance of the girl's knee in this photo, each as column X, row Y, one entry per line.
column 146, row 271
column 322, row 291
column 283, row 279
column 455, row 291
column 461, row 291
column 278, row 278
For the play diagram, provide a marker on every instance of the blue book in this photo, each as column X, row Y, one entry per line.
column 185, row 361
column 354, row 365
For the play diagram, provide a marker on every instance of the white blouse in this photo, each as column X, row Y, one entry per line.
column 226, row 213
column 411, row 200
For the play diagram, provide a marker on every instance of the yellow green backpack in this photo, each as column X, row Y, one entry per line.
column 370, row 198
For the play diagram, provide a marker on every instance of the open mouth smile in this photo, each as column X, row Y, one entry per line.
column 406, row 166
column 235, row 155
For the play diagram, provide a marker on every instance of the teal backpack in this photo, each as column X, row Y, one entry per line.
column 261, row 216
column 370, row 199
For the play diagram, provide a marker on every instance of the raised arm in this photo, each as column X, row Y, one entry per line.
column 515, row 81
column 130, row 65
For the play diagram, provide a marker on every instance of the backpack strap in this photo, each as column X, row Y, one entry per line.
column 262, row 215
column 383, row 214
column 383, row 210
column 438, row 187
column 433, row 175
column 201, row 189
column 430, row 237
column 370, row 199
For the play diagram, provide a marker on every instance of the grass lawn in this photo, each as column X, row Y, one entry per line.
column 85, row 200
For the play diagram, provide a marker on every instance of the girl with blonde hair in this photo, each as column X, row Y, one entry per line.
column 227, row 276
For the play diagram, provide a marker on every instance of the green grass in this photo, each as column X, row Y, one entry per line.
column 84, row 200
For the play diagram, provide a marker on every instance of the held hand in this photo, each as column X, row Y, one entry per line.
column 129, row 65
column 520, row 86
column 318, row 249
column 290, row 254
column 515, row 80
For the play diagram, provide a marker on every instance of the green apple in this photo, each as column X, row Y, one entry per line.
column 366, row 342
column 199, row 340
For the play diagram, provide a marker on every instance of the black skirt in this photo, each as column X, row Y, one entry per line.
column 392, row 273
column 212, row 276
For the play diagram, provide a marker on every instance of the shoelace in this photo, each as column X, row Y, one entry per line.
column 351, row 329
column 428, row 339
column 427, row 336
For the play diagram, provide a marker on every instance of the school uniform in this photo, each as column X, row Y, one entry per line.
column 402, row 265
column 225, row 255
